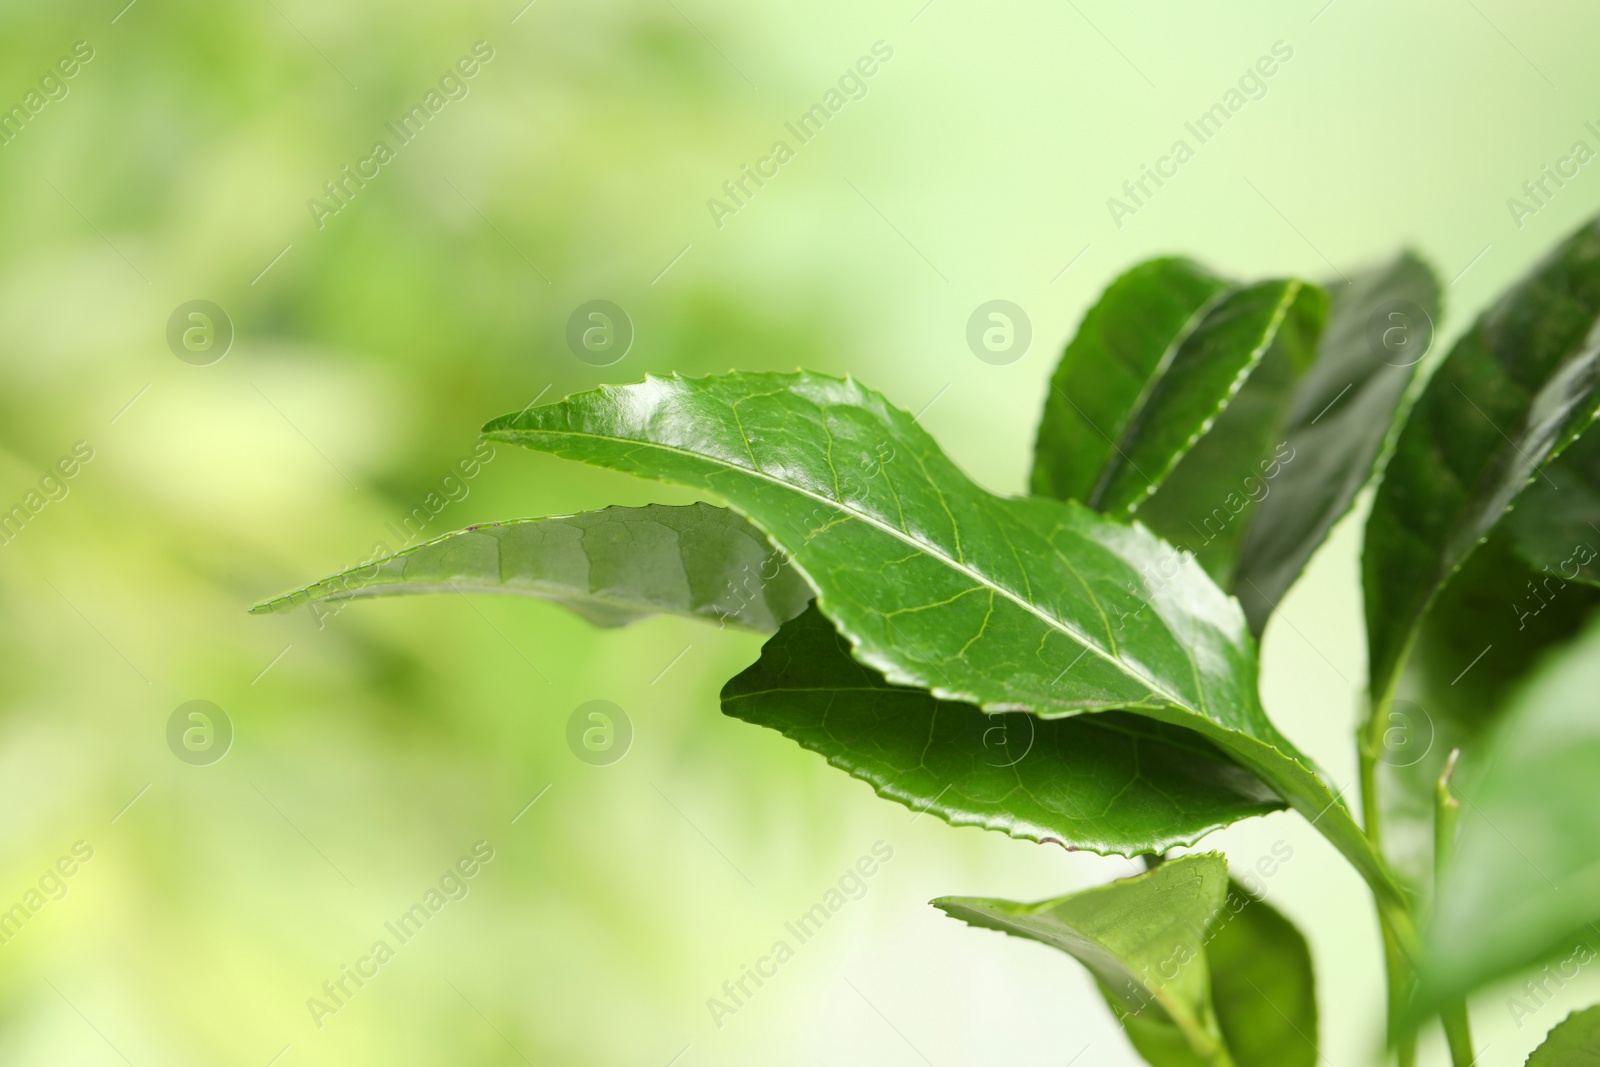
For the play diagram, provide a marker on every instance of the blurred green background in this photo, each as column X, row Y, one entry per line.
column 371, row 753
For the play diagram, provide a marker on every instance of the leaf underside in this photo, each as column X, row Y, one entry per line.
column 1263, row 985
column 1197, row 970
column 1111, row 782
column 1143, row 938
column 610, row 566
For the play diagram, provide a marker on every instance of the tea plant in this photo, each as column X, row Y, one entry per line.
column 1199, row 440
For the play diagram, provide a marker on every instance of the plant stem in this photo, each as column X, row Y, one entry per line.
column 1396, row 949
column 1457, row 1027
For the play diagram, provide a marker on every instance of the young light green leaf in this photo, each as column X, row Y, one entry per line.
column 611, row 566
column 1009, row 604
column 1125, row 344
column 1512, row 393
column 1210, row 498
column 1262, row 984
column 1574, row 1042
column 1525, row 878
column 1341, row 414
column 1493, row 622
column 1257, row 965
column 1109, row 783
column 1144, row 940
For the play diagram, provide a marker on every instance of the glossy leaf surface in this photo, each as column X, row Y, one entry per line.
column 1209, row 368
column 611, row 566
column 1209, row 499
column 1110, row 782
column 1110, row 368
column 1211, row 364
column 1008, row 604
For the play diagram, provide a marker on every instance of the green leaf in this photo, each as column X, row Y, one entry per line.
column 1108, row 370
column 1555, row 525
column 1110, row 783
column 1524, row 882
column 1340, row 416
column 1574, row 1042
column 1512, row 393
column 1210, row 498
column 1143, row 938
column 1182, row 388
column 1008, row 604
column 1262, row 984
column 1239, row 972
column 611, row 566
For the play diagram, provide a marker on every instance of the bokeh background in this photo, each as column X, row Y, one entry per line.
column 372, row 752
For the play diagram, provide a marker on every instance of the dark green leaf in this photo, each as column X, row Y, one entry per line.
column 1110, row 783
column 1341, row 414
column 1124, row 345
column 610, row 566
column 1211, row 496
column 1144, row 940
column 1009, row 604
column 1555, row 525
column 1210, row 366
column 1575, row 1042
column 1512, row 392
column 1524, row 882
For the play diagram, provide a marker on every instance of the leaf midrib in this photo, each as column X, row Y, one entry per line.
column 1081, row 638
column 1291, row 293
